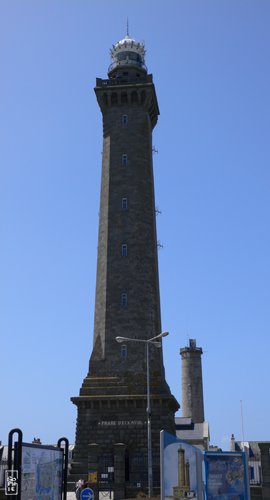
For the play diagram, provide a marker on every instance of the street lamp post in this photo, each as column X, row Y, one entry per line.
column 155, row 342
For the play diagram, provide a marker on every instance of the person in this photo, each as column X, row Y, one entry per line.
column 79, row 487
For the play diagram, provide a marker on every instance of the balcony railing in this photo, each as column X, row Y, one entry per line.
column 122, row 80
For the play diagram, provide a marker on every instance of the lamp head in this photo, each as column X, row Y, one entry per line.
column 120, row 339
column 162, row 334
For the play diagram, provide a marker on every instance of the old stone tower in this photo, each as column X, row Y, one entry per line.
column 192, row 382
column 111, row 433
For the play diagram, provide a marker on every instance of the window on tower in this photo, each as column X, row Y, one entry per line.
column 124, row 119
column 123, row 351
column 124, row 160
column 124, row 250
column 124, row 299
column 124, row 203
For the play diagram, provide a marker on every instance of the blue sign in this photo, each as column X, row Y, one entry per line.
column 226, row 475
column 87, row 494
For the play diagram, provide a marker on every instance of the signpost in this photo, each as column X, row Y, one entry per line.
column 87, row 494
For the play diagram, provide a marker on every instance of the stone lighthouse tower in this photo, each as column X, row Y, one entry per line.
column 111, row 433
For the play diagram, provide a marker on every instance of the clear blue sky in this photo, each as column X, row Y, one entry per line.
column 210, row 61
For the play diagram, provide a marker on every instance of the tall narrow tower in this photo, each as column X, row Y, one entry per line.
column 192, row 382
column 111, row 433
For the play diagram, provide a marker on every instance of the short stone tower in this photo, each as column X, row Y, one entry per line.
column 192, row 382
column 111, row 433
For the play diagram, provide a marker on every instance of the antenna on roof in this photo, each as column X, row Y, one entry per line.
column 242, row 422
column 127, row 27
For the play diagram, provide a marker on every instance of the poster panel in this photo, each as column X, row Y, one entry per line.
column 41, row 472
column 226, row 476
column 181, row 469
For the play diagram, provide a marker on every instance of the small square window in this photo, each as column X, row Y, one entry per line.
column 124, row 119
column 124, row 160
column 124, row 203
column 124, row 299
column 124, row 250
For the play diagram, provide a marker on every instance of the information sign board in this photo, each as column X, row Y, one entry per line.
column 181, row 469
column 226, row 475
column 41, row 472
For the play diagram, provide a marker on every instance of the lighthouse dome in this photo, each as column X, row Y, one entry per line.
column 127, row 53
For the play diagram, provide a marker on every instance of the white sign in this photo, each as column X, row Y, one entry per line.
column 11, row 482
